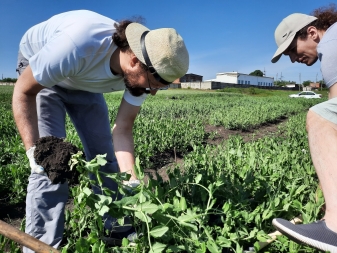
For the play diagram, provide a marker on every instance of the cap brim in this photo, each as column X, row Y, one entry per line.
column 282, row 48
column 133, row 33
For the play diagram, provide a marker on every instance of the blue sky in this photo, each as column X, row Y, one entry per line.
column 221, row 35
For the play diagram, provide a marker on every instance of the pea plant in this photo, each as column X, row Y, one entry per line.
column 220, row 198
column 158, row 211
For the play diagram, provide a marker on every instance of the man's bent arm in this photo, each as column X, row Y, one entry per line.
column 24, row 107
column 123, row 138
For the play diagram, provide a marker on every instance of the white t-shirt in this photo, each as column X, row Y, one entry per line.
column 327, row 54
column 73, row 50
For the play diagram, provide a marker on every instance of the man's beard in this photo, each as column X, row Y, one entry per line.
column 135, row 90
column 313, row 62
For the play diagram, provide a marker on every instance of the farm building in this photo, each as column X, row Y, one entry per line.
column 229, row 79
column 315, row 85
column 186, row 78
column 239, row 78
column 7, row 83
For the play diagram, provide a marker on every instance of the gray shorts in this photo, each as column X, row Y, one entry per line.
column 327, row 110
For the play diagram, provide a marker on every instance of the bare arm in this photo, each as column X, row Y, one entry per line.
column 24, row 107
column 123, row 138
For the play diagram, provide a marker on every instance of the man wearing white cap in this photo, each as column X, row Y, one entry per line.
column 305, row 39
column 64, row 66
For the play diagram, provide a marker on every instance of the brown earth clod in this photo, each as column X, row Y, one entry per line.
column 53, row 154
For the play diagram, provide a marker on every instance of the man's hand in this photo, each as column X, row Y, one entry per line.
column 129, row 185
column 132, row 183
column 34, row 167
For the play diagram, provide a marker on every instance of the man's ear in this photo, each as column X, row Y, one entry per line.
column 312, row 32
column 133, row 60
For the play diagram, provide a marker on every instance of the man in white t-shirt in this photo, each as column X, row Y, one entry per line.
column 64, row 65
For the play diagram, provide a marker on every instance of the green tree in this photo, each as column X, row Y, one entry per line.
column 306, row 83
column 256, row 73
column 322, row 83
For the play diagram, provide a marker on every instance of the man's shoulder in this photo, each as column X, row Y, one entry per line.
column 330, row 33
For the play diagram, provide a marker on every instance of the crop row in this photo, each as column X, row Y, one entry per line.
column 220, row 198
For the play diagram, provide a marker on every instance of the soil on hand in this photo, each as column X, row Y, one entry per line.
column 53, row 154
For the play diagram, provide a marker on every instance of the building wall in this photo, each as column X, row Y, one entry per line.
column 6, row 83
column 175, row 86
column 224, row 78
column 191, row 78
column 212, row 85
column 238, row 78
column 197, row 85
column 315, row 85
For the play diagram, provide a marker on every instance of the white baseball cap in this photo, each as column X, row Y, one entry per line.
column 286, row 31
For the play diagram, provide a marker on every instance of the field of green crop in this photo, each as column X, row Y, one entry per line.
column 218, row 198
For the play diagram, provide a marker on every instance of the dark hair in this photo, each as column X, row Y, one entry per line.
column 119, row 37
column 326, row 16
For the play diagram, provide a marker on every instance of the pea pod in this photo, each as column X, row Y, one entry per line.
column 176, row 203
column 182, row 204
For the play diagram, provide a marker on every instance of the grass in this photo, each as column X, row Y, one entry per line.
column 266, row 92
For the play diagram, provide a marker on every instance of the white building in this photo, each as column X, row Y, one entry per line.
column 239, row 78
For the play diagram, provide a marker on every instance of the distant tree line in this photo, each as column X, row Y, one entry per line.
column 284, row 83
column 8, row 80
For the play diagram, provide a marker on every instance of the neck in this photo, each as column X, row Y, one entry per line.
column 321, row 33
column 115, row 63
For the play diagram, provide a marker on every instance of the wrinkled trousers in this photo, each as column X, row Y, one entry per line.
column 45, row 202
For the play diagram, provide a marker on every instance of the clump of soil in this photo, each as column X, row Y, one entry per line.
column 53, row 154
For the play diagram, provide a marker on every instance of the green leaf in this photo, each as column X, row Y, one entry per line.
column 223, row 242
column 147, row 207
column 212, row 247
column 101, row 159
column 184, row 218
column 300, row 189
column 182, row 204
column 157, row 247
column 143, row 217
column 225, row 207
column 198, row 178
column 158, row 231
column 87, row 191
column 125, row 242
column 297, row 204
column 179, row 248
column 82, row 245
column 138, row 170
column 286, row 206
column 267, row 214
column 104, row 209
column 277, row 202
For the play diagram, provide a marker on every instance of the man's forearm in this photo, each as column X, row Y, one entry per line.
column 25, row 115
column 24, row 107
column 124, row 150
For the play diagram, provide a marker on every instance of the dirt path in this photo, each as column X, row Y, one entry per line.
column 217, row 134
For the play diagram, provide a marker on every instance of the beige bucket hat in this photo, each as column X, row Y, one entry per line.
column 162, row 50
column 286, row 31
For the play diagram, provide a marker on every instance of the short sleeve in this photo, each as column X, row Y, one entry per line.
column 328, row 56
column 136, row 101
column 56, row 61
